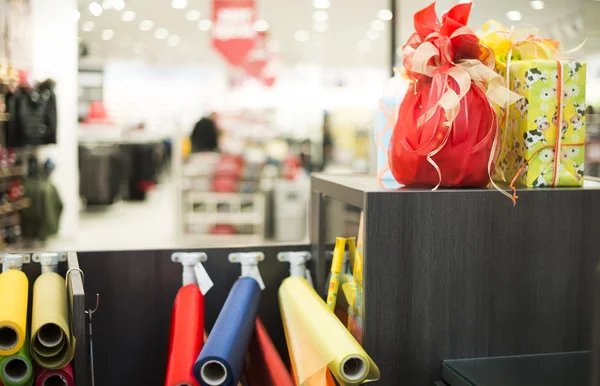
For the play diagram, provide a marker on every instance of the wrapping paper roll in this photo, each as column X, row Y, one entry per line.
column 187, row 336
column 17, row 369
column 62, row 377
column 318, row 341
column 222, row 359
column 14, row 295
column 264, row 366
column 51, row 344
column 205, row 338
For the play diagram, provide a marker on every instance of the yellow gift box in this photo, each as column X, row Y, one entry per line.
column 536, row 150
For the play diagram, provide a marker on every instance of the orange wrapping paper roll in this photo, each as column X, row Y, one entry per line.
column 264, row 366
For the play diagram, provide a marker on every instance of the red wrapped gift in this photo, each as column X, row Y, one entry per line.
column 447, row 129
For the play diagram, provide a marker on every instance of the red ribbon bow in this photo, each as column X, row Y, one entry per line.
column 450, row 37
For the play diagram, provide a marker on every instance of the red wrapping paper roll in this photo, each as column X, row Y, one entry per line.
column 264, row 366
column 45, row 376
column 187, row 336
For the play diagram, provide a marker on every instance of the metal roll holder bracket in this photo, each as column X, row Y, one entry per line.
column 249, row 262
column 89, row 313
column 14, row 261
column 297, row 262
column 193, row 270
column 49, row 260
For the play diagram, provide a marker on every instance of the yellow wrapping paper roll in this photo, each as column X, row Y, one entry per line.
column 51, row 343
column 14, row 295
column 317, row 340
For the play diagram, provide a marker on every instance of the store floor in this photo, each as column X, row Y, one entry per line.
column 129, row 225
column 148, row 224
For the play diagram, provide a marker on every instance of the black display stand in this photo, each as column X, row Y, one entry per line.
column 137, row 290
column 464, row 274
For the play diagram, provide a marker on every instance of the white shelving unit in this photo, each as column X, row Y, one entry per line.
column 201, row 209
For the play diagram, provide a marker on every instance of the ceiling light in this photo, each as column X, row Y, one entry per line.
column 320, row 26
column 179, row 4
column 372, row 34
column 385, row 14
column 514, row 15
column 138, row 48
column 272, row 46
column 146, row 25
column 161, row 33
column 88, row 26
column 302, row 35
column 320, row 16
column 76, row 15
column 118, row 5
column 364, row 46
column 204, row 25
column 261, row 25
column 537, row 4
column 321, row 4
column 128, row 16
column 173, row 40
column 95, row 8
column 377, row 25
column 192, row 15
column 108, row 34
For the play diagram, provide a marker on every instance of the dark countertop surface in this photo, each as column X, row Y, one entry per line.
column 563, row 369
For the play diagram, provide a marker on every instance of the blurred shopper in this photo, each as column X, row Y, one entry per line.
column 205, row 136
column 327, row 141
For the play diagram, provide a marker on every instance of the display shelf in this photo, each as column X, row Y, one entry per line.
column 205, row 209
column 15, row 206
column 14, row 171
column 463, row 273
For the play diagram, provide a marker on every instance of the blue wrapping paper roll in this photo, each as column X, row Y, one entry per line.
column 221, row 360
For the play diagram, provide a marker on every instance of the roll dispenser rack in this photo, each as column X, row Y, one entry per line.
column 249, row 262
column 74, row 277
column 298, row 261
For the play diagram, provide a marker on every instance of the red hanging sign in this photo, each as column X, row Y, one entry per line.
column 233, row 33
column 257, row 58
column 270, row 71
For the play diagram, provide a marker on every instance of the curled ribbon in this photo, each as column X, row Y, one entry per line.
column 449, row 55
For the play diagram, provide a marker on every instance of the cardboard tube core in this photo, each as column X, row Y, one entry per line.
column 213, row 373
column 55, row 380
column 354, row 368
column 50, row 335
column 8, row 338
column 15, row 370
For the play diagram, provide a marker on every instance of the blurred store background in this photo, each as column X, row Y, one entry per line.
column 166, row 137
